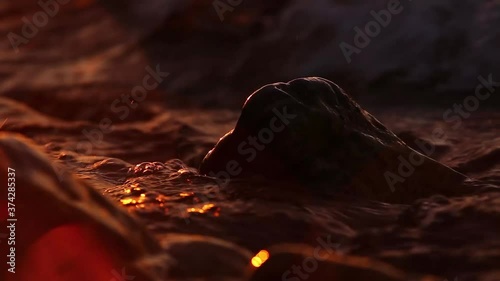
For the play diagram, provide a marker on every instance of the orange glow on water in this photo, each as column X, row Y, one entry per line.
column 201, row 210
column 132, row 201
column 186, row 194
column 208, row 207
column 260, row 258
column 128, row 201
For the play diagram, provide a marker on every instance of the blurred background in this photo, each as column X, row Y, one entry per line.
column 430, row 53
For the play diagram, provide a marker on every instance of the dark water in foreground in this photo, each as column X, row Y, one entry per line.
column 59, row 91
column 448, row 237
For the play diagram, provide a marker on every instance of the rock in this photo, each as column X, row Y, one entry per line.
column 301, row 262
column 417, row 143
column 66, row 230
column 310, row 133
column 200, row 257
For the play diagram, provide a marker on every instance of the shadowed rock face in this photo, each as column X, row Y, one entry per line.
column 308, row 131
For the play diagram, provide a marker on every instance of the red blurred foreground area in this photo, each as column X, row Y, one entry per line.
column 69, row 252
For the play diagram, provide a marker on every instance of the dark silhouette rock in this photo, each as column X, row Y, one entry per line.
column 309, row 132
column 417, row 143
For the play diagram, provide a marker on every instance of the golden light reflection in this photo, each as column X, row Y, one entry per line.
column 260, row 258
column 128, row 201
column 133, row 201
column 182, row 171
column 186, row 194
column 201, row 210
column 133, row 190
column 208, row 207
